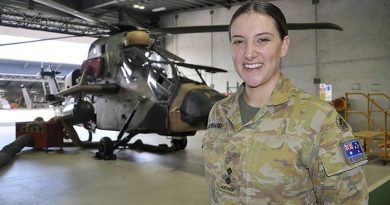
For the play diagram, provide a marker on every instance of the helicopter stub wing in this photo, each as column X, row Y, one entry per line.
column 168, row 54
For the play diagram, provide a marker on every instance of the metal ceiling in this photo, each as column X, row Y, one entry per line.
column 90, row 17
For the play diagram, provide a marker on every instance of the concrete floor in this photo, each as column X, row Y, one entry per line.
column 73, row 176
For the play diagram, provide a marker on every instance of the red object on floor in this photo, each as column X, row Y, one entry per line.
column 44, row 134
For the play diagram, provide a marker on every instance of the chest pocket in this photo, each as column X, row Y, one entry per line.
column 210, row 144
column 273, row 164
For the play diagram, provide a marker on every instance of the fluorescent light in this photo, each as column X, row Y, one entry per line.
column 141, row 7
column 159, row 9
column 136, row 6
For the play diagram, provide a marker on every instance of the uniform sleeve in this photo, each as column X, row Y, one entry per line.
column 335, row 180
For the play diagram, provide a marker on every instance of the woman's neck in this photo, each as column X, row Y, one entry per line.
column 258, row 96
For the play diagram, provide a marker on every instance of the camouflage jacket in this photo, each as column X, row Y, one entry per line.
column 288, row 153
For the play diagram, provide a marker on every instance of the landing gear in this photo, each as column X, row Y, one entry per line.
column 105, row 149
column 179, row 143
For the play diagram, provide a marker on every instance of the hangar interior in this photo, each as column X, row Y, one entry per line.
column 355, row 60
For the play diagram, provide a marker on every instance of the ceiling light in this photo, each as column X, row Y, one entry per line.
column 159, row 9
column 136, row 6
column 141, row 7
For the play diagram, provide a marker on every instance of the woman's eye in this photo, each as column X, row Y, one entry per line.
column 261, row 40
column 237, row 42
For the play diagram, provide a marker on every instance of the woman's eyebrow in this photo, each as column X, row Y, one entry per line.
column 237, row 36
column 264, row 33
column 258, row 34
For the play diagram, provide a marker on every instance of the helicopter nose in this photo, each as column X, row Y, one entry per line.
column 197, row 104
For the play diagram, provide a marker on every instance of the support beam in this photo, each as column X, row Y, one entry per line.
column 102, row 4
column 68, row 10
column 24, row 78
column 23, row 18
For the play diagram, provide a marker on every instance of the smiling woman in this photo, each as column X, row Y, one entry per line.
column 275, row 143
column 71, row 51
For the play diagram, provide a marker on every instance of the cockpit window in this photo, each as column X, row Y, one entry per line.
column 156, row 70
column 161, row 77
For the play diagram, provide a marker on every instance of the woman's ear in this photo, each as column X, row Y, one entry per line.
column 285, row 44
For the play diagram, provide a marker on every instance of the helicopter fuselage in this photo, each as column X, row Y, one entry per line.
column 147, row 82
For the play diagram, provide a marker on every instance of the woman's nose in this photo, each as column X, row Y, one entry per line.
column 250, row 52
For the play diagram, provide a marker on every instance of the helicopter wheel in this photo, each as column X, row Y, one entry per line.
column 179, row 143
column 106, row 149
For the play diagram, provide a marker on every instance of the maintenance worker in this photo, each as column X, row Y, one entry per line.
column 272, row 143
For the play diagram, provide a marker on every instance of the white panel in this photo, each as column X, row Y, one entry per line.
column 366, row 30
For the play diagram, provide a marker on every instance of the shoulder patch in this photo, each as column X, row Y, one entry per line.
column 352, row 151
column 343, row 126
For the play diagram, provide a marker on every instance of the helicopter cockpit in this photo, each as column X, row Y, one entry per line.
column 157, row 71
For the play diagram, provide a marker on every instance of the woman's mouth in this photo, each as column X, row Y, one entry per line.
column 252, row 65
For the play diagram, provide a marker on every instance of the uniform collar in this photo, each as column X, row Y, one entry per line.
column 281, row 94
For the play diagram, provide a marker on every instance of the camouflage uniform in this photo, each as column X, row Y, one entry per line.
column 287, row 154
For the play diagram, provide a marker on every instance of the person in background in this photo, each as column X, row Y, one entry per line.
column 272, row 143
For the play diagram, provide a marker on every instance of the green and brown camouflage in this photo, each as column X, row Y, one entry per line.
column 287, row 154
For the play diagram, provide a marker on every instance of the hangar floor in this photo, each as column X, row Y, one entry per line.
column 73, row 176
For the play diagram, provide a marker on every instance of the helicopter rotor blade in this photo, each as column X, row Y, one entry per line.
column 38, row 40
column 307, row 26
column 208, row 69
column 190, row 29
column 224, row 28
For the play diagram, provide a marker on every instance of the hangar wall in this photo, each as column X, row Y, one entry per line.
column 358, row 54
column 356, row 59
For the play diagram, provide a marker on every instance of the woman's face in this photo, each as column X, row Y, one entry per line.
column 257, row 48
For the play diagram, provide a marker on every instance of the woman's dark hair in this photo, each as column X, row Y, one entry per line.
column 266, row 8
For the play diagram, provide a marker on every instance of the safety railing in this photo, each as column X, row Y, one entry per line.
column 374, row 129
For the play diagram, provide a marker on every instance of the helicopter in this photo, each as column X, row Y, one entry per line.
column 132, row 87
